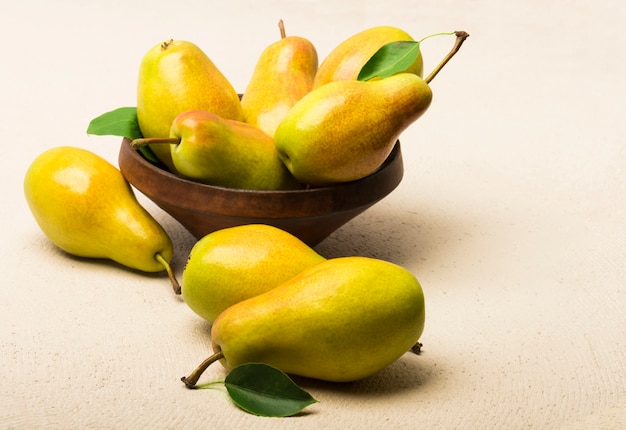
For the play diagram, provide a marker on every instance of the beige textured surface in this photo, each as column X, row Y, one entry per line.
column 512, row 214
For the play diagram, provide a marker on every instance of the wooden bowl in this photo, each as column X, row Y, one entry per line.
column 309, row 214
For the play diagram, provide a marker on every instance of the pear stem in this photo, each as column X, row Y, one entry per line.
column 144, row 141
column 460, row 38
column 281, row 27
column 170, row 272
column 192, row 380
column 417, row 348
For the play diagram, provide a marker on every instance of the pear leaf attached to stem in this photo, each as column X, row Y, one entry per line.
column 392, row 58
column 257, row 388
column 396, row 57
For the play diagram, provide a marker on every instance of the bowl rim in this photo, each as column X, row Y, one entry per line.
column 315, row 201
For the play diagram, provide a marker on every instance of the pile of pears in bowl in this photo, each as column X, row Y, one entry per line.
column 305, row 147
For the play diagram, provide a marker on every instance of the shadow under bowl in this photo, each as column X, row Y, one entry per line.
column 310, row 214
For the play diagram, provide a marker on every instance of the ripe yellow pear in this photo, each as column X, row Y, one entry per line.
column 345, row 61
column 216, row 151
column 84, row 205
column 233, row 264
column 344, row 130
column 174, row 77
column 283, row 74
column 341, row 320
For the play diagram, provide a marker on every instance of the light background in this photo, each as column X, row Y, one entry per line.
column 511, row 213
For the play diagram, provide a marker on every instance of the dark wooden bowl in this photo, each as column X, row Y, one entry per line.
column 310, row 214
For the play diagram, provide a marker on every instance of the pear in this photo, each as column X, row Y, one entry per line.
column 84, row 206
column 283, row 74
column 344, row 130
column 341, row 320
column 233, row 264
column 345, row 61
column 174, row 77
column 216, row 151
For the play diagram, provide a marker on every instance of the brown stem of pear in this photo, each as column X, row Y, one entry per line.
column 460, row 38
column 281, row 27
column 416, row 349
column 170, row 272
column 144, row 141
column 192, row 380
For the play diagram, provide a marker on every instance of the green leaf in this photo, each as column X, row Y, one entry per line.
column 263, row 390
column 119, row 122
column 392, row 58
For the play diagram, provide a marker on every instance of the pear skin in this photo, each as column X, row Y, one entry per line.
column 174, row 77
column 341, row 320
column 345, row 61
column 344, row 130
column 283, row 74
column 84, row 205
column 230, row 265
column 227, row 153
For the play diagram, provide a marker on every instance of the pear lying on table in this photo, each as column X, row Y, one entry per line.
column 341, row 320
column 84, row 205
column 344, row 130
column 283, row 74
column 174, row 77
column 233, row 264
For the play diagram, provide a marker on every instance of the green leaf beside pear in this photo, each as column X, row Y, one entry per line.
column 264, row 390
column 397, row 57
column 391, row 58
column 120, row 122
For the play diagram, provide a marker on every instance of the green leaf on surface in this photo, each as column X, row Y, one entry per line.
column 263, row 390
column 119, row 122
column 392, row 58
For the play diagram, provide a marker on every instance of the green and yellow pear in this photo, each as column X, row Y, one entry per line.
column 84, row 205
column 174, row 77
column 345, row 61
column 216, row 151
column 230, row 265
column 283, row 74
column 344, row 130
column 341, row 320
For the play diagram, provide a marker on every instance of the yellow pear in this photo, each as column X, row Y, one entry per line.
column 341, row 320
column 283, row 74
column 345, row 61
column 344, row 130
column 84, row 205
column 216, row 151
column 174, row 77
column 233, row 264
